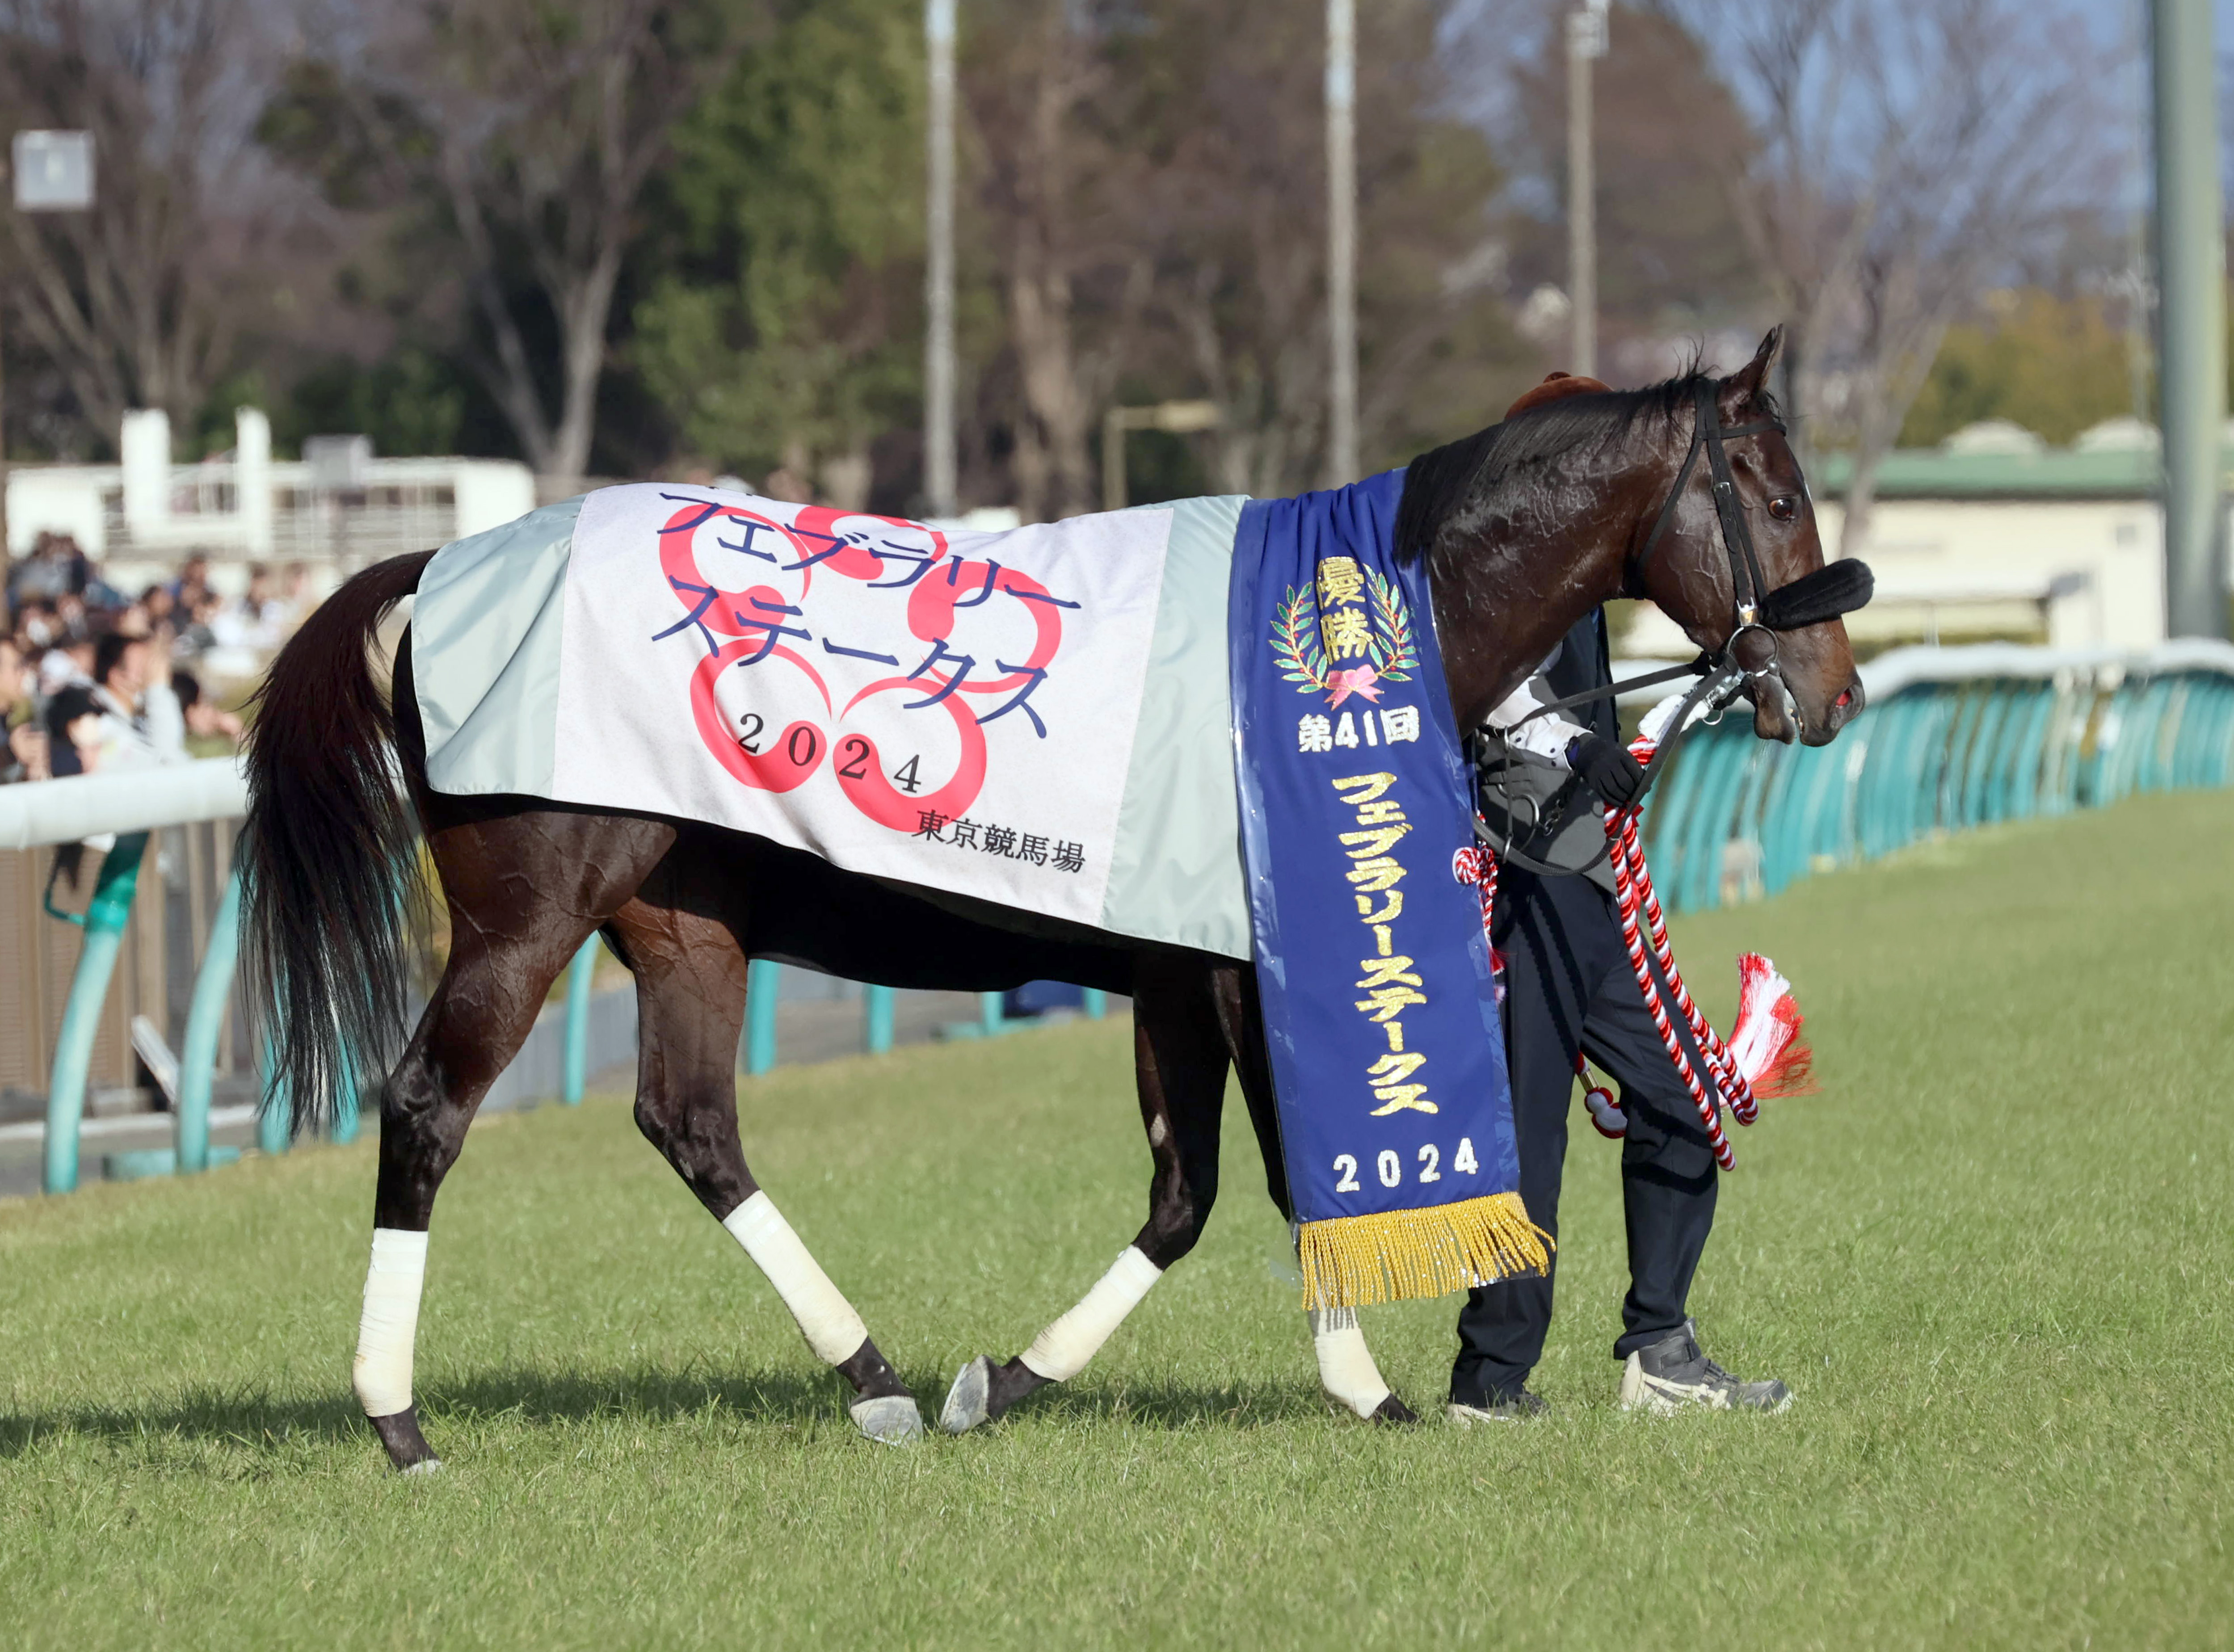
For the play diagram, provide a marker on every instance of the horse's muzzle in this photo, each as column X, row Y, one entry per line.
column 1841, row 711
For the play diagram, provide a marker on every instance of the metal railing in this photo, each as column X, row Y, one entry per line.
column 1951, row 739
column 129, row 805
column 764, row 995
column 405, row 504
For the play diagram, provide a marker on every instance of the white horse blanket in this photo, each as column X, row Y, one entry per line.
column 1041, row 719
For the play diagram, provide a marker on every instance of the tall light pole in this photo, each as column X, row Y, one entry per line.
column 2191, row 314
column 1342, row 241
column 1586, row 39
column 938, row 465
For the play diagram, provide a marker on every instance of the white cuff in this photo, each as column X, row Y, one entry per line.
column 1546, row 736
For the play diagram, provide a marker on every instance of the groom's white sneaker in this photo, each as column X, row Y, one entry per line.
column 1672, row 1374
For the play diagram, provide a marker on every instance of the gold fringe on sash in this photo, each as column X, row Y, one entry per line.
column 1354, row 1260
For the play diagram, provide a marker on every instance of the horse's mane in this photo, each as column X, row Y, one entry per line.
column 1461, row 477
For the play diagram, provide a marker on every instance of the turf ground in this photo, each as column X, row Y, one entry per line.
column 1992, row 1259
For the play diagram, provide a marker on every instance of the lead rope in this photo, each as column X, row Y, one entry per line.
column 1730, row 1075
column 1626, row 897
column 1641, row 916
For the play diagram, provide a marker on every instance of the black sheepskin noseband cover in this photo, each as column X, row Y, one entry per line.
column 1836, row 588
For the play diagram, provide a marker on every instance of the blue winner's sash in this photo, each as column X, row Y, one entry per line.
column 1395, row 1114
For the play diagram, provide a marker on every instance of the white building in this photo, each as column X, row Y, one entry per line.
column 140, row 517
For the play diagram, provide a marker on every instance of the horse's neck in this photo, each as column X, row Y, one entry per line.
column 1504, row 604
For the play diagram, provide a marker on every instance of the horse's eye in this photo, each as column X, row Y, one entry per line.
column 1784, row 507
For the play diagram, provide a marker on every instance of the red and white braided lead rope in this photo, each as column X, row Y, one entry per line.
column 1632, row 891
column 1774, row 1061
column 1639, row 879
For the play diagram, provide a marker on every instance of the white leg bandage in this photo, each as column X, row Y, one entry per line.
column 390, row 1323
column 1061, row 1351
column 1346, row 1368
column 833, row 1329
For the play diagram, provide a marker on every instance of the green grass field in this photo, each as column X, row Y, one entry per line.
column 1991, row 1258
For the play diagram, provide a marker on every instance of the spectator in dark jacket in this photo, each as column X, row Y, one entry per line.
column 74, row 731
column 56, row 569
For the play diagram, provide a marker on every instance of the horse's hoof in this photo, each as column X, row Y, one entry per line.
column 425, row 1466
column 1393, row 1410
column 969, row 1402
column 408, row 1450
column 889, row 1419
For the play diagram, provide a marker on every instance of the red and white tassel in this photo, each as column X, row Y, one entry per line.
column 1766, row 1044
column 1765, row 1055
column 1606, row 1116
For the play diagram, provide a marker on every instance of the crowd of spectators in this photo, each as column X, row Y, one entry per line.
column 95, row 680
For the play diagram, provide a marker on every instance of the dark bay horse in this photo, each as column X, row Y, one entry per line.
column 1526, row 527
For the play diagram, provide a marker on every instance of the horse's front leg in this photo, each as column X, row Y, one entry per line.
column 1348, row 1375
column 1180, row 1058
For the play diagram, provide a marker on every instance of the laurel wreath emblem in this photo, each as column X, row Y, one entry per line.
column 1393, row 651
column 1296, row 640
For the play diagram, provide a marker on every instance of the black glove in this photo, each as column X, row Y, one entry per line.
column 1604, row 766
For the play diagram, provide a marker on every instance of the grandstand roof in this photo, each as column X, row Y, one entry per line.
column 1934, row 473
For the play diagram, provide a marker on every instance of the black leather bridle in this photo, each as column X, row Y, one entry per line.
column 1835, row 588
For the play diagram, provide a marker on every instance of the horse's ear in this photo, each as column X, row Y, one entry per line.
column 1745, row 386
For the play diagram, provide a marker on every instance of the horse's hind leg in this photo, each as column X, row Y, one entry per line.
column 1348, row 1375
column 525, row 891
column 690, row 972
column 1179, row 1053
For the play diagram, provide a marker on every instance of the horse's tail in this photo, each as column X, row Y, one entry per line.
column 330, row 877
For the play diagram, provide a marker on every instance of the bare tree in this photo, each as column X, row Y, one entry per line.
column 1670, row 134
column 140, row 302
column 1073, row 271
column 1239, row 216
column 1237, row 204
column 1154, row 204
column 1911, row 151
column 535, row 126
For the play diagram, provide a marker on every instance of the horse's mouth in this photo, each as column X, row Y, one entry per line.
column 1775, row 715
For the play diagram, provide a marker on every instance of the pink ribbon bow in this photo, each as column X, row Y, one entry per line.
column 1357, row 679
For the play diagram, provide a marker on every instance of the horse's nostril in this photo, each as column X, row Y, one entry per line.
column 1846, row 698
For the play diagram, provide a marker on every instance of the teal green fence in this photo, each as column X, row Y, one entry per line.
column 1951, row 739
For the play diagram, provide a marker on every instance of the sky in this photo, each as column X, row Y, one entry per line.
column 2120, row 27
column 2116, row 31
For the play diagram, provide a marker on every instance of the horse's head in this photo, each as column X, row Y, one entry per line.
column 1729, row 554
